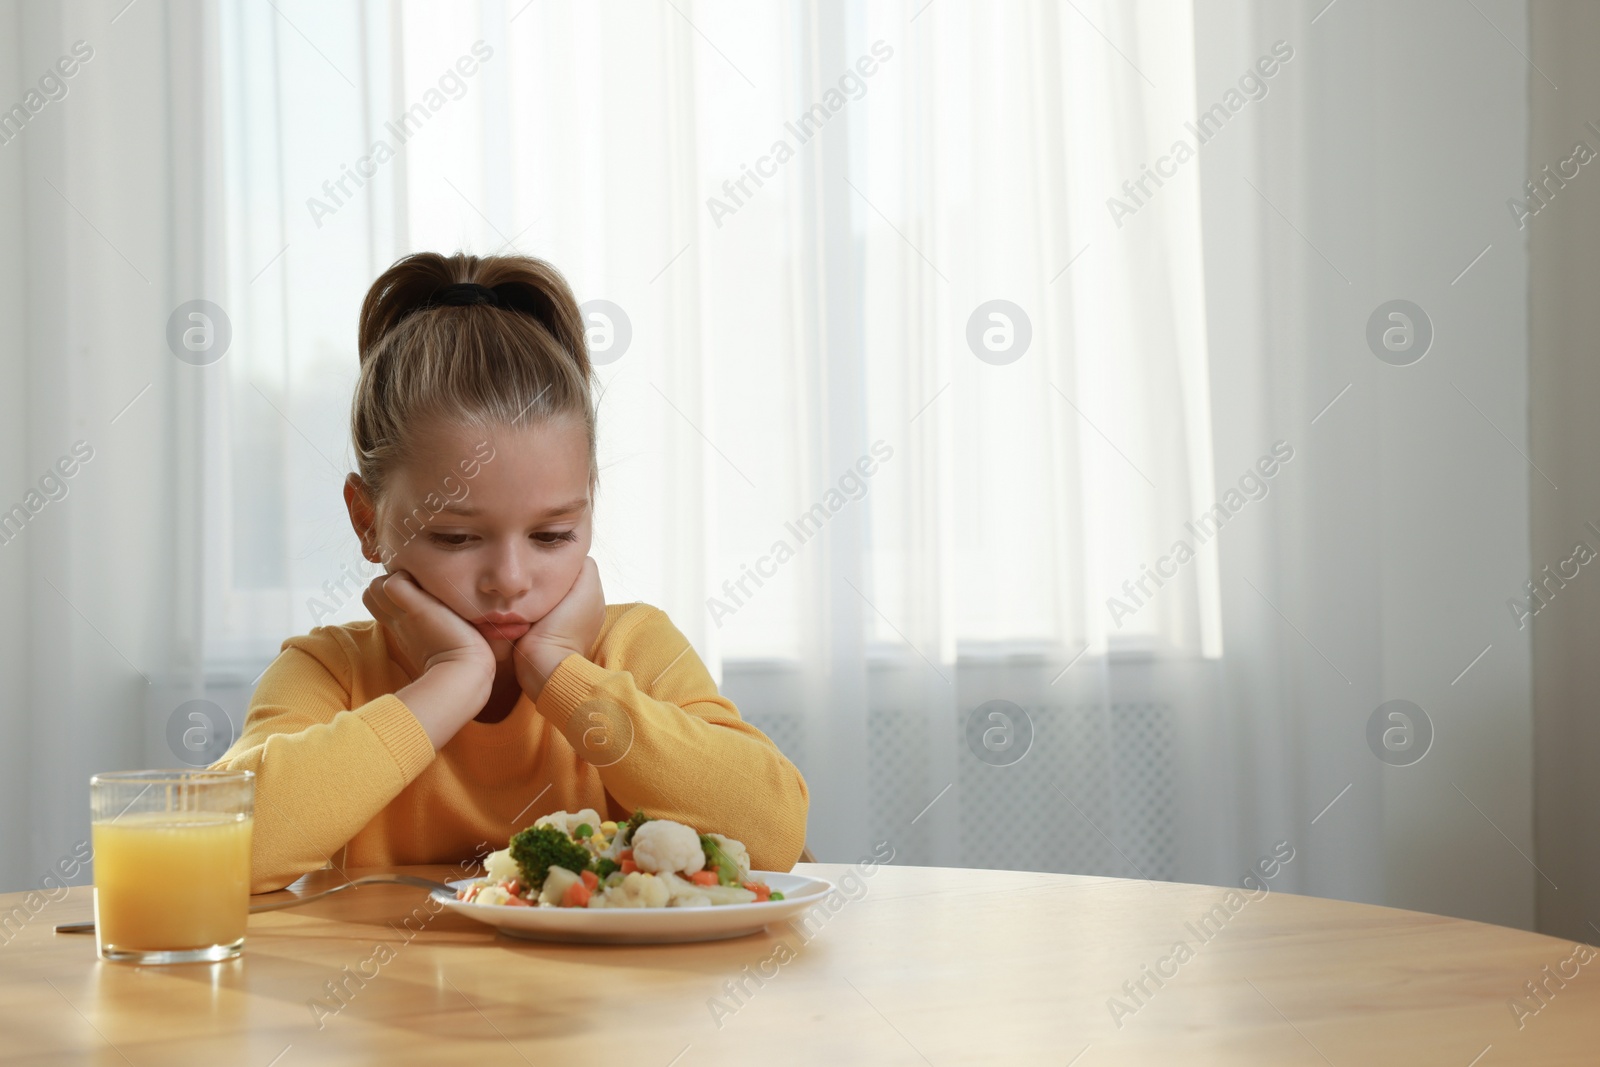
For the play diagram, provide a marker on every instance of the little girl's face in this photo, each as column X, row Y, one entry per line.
column 493, row 522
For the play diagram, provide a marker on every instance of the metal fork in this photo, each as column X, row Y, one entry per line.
column 294, row 902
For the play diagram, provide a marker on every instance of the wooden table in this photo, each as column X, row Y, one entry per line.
column 918, row 966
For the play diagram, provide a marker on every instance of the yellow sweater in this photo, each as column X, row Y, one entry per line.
column 345, row 773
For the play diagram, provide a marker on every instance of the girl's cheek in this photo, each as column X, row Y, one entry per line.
column 436, row 583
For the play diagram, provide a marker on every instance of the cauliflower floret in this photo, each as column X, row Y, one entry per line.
column 500, row 867
column 682, row 893
column 556, row 884
column 567, row 822
column 728, row 894
column 491, row 894
column 661, row 845
column 636, row 890
column 736, row 852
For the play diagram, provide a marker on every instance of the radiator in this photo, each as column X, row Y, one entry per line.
column 1117, row 767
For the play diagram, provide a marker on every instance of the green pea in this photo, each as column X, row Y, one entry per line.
column 776, row 895
column 584, row 830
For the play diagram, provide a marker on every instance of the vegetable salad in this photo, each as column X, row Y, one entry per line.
column 578, row 860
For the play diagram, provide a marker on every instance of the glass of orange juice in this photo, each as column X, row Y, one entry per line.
column 171, row 864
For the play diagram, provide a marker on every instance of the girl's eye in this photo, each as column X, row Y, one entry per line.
column 456, row 540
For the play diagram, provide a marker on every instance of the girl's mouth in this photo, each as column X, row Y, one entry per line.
column 503, row 627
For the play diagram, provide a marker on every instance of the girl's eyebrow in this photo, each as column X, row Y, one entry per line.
column 551, row 513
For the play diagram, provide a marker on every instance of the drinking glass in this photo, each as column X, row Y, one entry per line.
column 171, row 864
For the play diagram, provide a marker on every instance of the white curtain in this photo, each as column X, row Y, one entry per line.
column 109, row 219
column 822, row 453
column 1379, row 568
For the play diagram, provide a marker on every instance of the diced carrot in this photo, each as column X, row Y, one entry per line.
column 625, row 854
column 704, row 878
column 760, row 889
column 518, row 902
column 628, row 866
column 511, row 887
column 590, row 879
column 576, row 896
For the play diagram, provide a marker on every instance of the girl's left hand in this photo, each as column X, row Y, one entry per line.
column 572, row 626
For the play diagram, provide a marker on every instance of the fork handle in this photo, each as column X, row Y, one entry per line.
column 87, row 926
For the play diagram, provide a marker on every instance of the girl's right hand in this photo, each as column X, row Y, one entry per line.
column 451, row 662
column 426, row 631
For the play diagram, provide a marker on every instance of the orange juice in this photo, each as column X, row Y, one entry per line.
column 169, row 881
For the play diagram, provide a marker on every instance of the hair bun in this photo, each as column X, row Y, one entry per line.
column 426, row 280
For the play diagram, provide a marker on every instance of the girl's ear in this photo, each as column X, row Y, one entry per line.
column 363, row 516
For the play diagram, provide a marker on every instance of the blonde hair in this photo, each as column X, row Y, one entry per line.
column 510, row 352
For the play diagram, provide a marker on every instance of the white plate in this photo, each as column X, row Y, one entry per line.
column 637, row 926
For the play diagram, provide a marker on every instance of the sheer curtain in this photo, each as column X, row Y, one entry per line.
column 1380, row 566
column 109, row 220
column 920, row 351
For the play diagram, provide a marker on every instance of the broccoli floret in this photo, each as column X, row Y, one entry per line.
column 604, row 866
column 538, row 848
column 717, row 860
column 625, row 830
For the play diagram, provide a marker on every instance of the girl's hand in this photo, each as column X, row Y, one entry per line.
column 451, row 663
column 427, row 633
column 571, row 626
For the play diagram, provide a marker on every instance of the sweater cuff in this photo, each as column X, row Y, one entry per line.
column 574, row 681
column 400, row 733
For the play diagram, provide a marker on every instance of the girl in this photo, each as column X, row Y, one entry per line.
column 495, row 684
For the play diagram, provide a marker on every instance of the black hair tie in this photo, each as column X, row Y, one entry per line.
column 466, row 294
column 508, row 296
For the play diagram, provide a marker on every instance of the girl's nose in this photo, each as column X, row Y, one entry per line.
column 508, row 576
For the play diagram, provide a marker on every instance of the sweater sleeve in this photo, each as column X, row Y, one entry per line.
column 323, row 770
column 663, row 739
